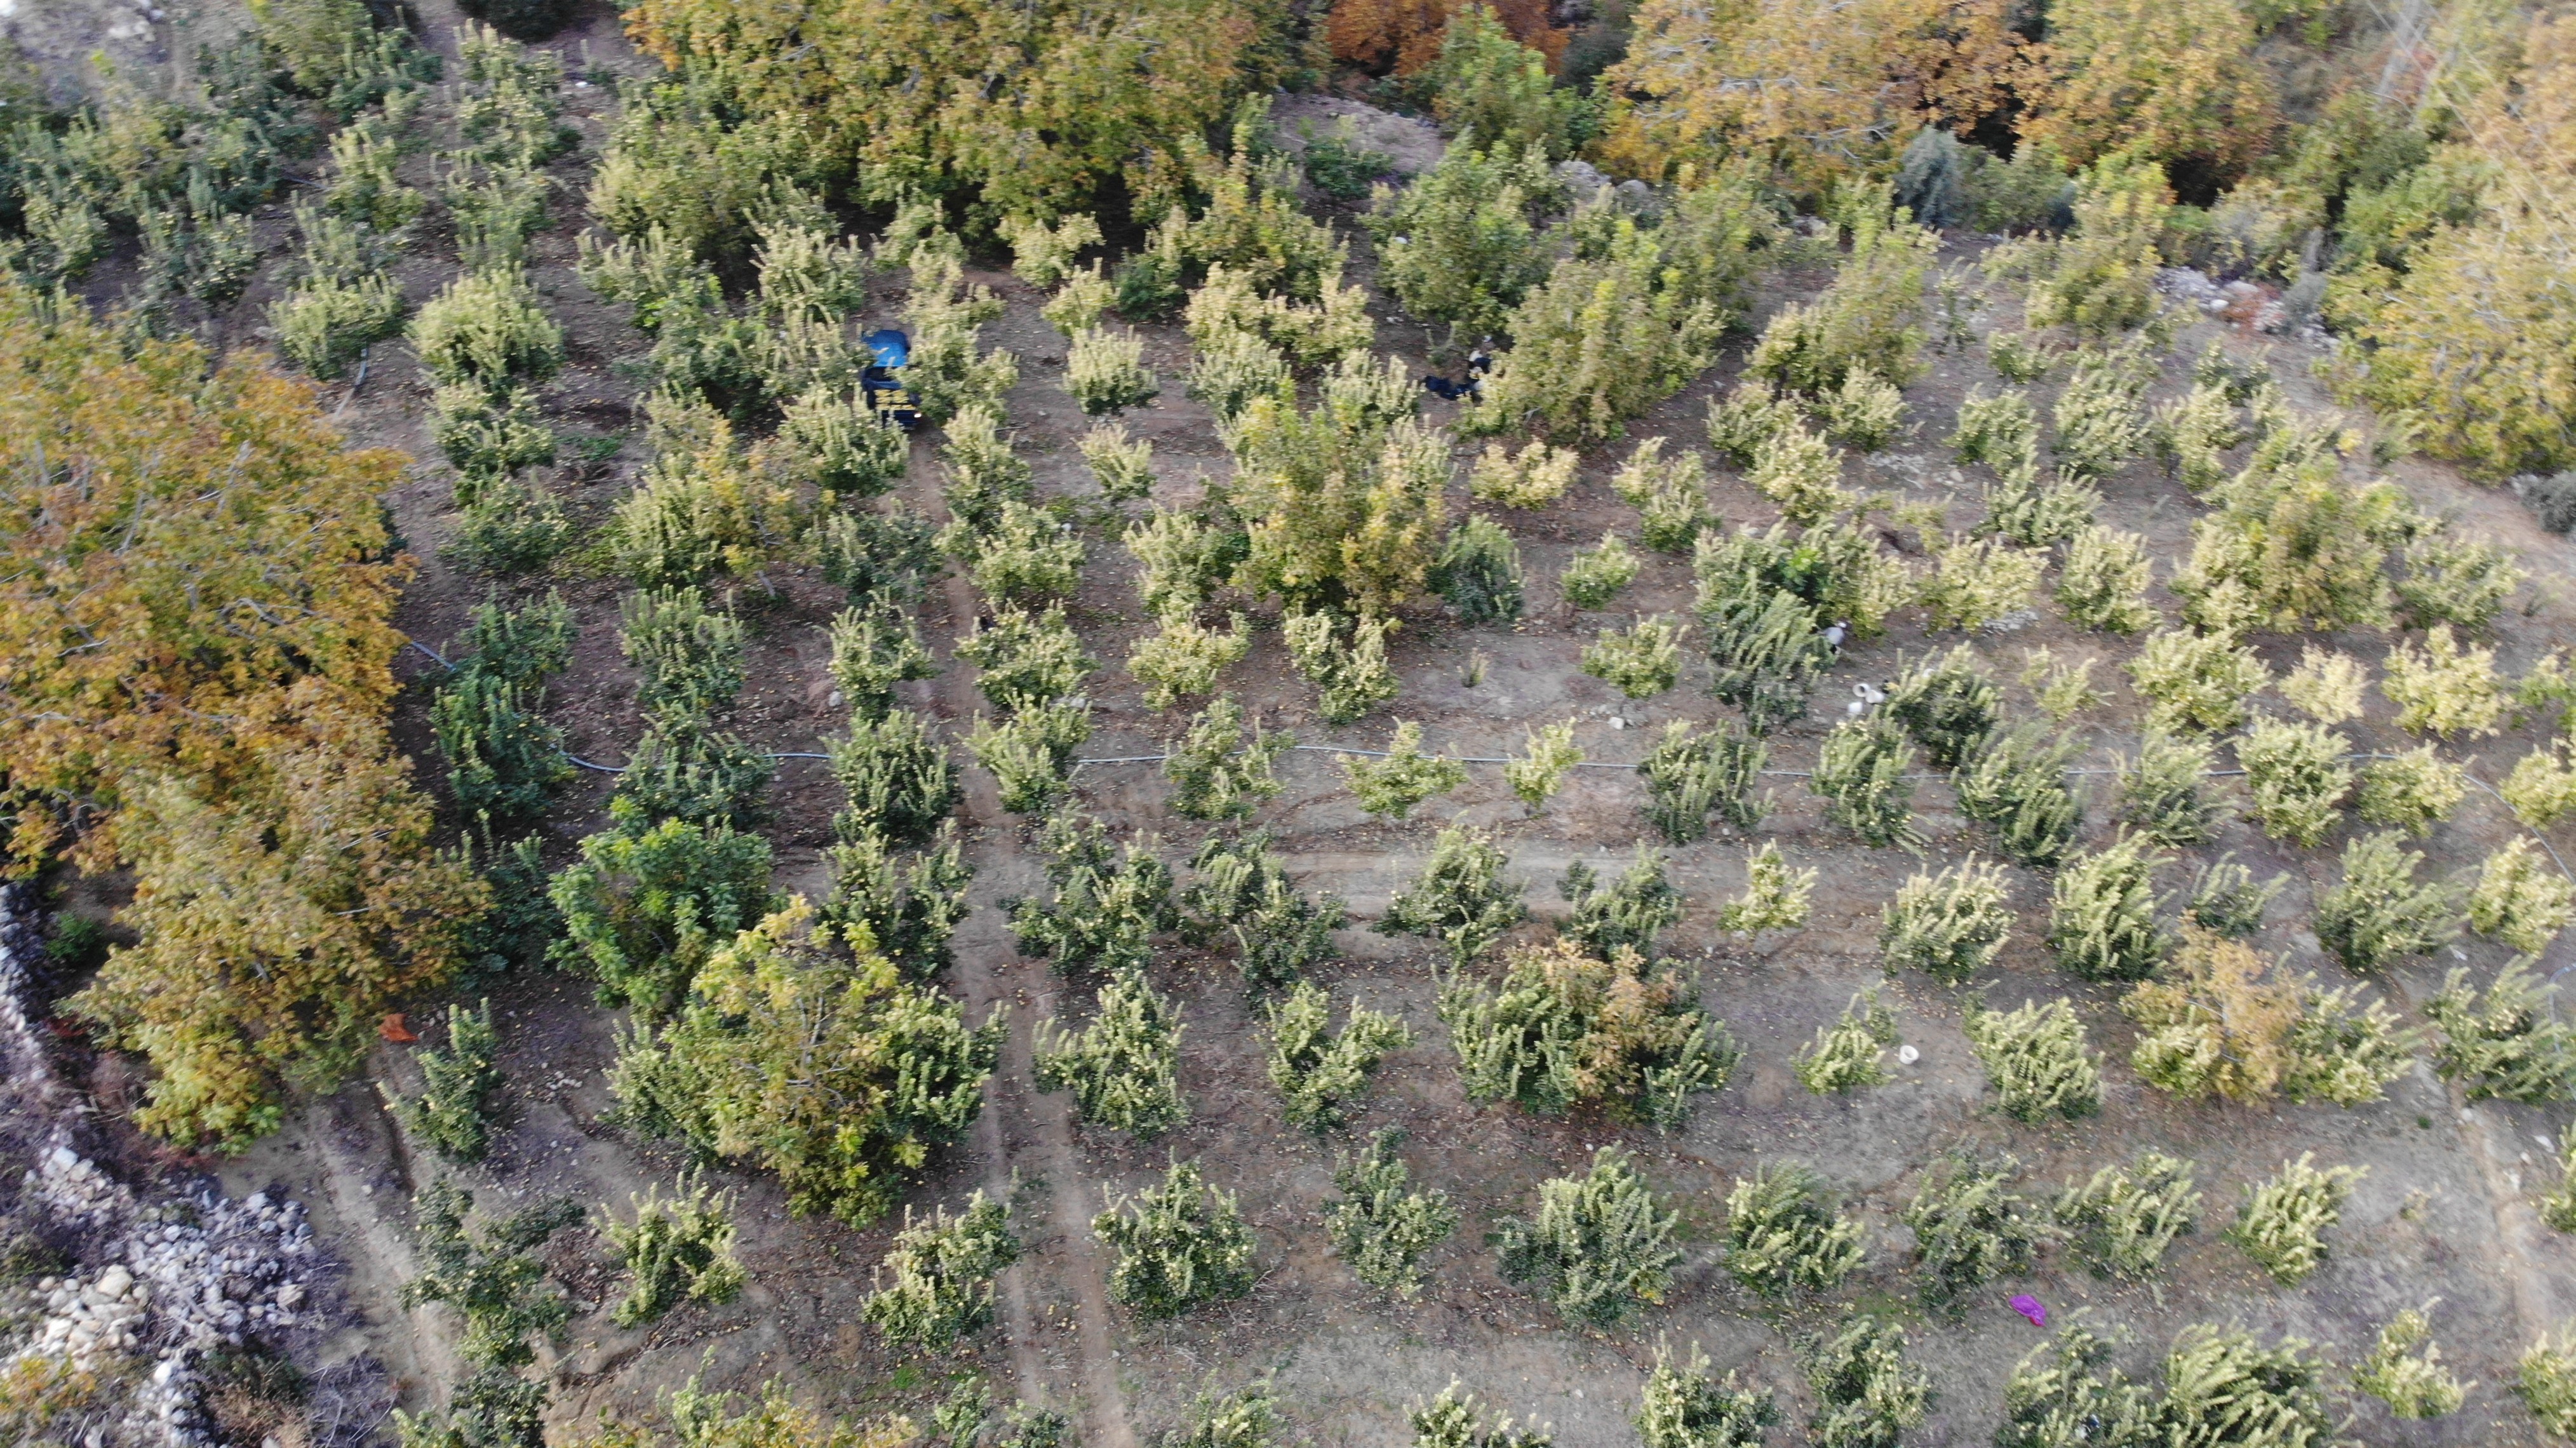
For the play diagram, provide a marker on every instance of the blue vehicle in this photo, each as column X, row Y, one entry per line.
column 889, row 352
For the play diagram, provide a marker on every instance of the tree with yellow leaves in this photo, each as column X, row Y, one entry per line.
column 2167, row 80
column 1815, row 88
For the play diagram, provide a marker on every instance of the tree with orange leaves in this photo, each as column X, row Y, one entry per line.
column 1405, row 36
column 1814, row 87
column 195, row 667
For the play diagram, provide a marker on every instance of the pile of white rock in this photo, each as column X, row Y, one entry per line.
column 182, row 1278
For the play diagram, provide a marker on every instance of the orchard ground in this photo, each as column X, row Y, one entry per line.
column 2445, row 1209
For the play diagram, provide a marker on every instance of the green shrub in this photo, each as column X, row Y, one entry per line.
column 832, row 438
column 2219, row 1383
column 1479, row 573
column 2519, row 900
column 1376, row 1225
column 488, row 1408
column 2102, row 913
column 2125, row 1217
column 1775, row 897
column 942, row 1274
column 2411, row 791
column 898, row 780
column 1217, row 771
column 1027, row 661
column 454, row 1111
column 676, row 1250
column 2035, row 1059
column 2002, row 432
column 2298, row 778
column 487, row 1270
column 1183, row 659
column 1625, row 914
column 1108, row 906
column 1594, row 576
column 871, row 554
column 1025, row 556
column 2283, row 1222
column 689, row 658
column 1316, row 1071
column 1799, row 471
column 2019, row 357
column 1866, row 411
column 2160, row 791
column 2404, row 1369
column 1278, row 932
column 2541, row 790
column 1640, row 662
column 1683, row 1407
column 1404, row 777
column 1950, row 925
column 874, row 648
column 2445, row 689
column 2097, row 423
column 2103, row 584
column 487, row 329
column 1976, row 582
column 1030, row 754
column 2016, row 782
column 504, row 760
column 325, row 323
column 1180, row 1243
column 1460, row 899
column 1560, row 1028
column 1106, row 372
column 2558, row 1206
column 2545, row 1380
column 1690, row 776
column 646, row 911
column 2195, row 682
column 909, row 911
column 1745, row 419
column 1123, row 467
column 1866, row 1391
column 1861, row 773
column 1541, row 770
column 2224, row 898
column 1671, row 496
column 1597, row 1247
column 1948, row 705
column 2024, row 509
column 1345, row 659
column 687, row 769
column 1970, row 1227
column 2193, row 436
column 2378, row 913
column 1849, row 1055
column 1124, row 1067
column 1453, row 1421
column 2449, row 579
column 2505, row 1043
column 1782, row 1235
column 1766, row 646
column 1871, row 317
column 488, row 437
column 1538, row 476
column 984, row 472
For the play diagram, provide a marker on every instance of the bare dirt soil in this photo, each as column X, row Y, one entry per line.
column 2444, row 1211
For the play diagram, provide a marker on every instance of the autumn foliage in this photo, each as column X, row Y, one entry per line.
column 1404, row 36
column 195, row 661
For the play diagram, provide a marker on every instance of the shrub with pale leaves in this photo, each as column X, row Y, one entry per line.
column 2521, row 899
column 2103, row 583
column 2404, row 1368
column 1670, row 495
column 2444, row 688
column 1802, row 473
column 2326, row 686
column 2411, row 791
column 1594, row 576
column 1640, row 661
column 1541, row 769
column 1537, row 476
column 1404, row 777
column 2298, row 778
column 2035, row 1059
column 1782, row 1235
column 1851, row 1054
column 2283, row 1222
column 1976, row 582
column 1775, row 897
column 2541, row 790
column 1950, row 925
column 2379, row 912
column 2123, row 1219
column 2195, row 681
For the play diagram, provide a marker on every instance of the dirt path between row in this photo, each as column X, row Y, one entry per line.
column 1064, row 1255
